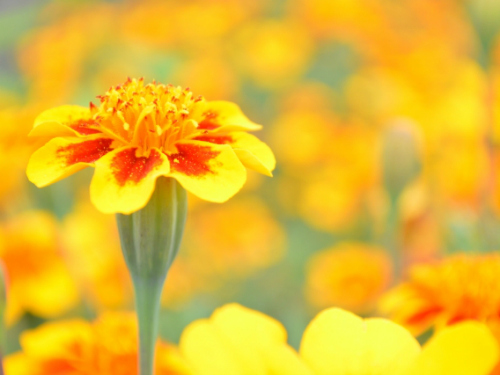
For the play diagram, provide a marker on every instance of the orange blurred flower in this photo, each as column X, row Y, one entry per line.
column 457, row 288
column 349, row 275
column 234, row 240
column 140, row 132
column 107, row 346
column 38, row 280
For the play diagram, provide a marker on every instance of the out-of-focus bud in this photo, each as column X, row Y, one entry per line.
column 401, row 156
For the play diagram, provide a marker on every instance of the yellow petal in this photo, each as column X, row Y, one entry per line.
column 236, row 340
column 67, row 120
column 61, row 157
column 252, row 152
column 390, row 348
column 210, row 171
column 208, row 352
column 339, row 342
column 123, row 182
column 52, row 340
column 225, row 116
column 464, row 349
column 18, row 364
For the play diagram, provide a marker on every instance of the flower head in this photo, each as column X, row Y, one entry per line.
column 457, row 288
column 349, row 275
column 107, row 346
column 140, row 132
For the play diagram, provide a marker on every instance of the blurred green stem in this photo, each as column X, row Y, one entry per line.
column 391, row 237
column 150, row 239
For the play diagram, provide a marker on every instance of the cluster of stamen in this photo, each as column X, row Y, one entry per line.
column 147, row 116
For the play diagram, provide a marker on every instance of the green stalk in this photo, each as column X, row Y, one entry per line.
column 150, row 239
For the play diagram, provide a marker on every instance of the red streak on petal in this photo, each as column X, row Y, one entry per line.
column 424, row 315
column 457, row 319
column 208, row 122
column 127, row 167
column 84, row 127
column 85, row 152
column 219, row 140
column 192, row 160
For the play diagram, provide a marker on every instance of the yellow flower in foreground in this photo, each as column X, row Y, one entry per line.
column 38, row 280
column 349, row 275
column 457, row 288
column 140, row 132
column 239, row 341
column 106, row 347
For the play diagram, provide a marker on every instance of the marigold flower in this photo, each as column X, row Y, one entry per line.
column 39, row 280
column 437, row 294
column 140, row 132
column 236, row 340
column 107, row 346
column 348, row 275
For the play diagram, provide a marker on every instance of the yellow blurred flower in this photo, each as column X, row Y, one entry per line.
column 349, row 275
column 354, row 21
column 211, row 74
column 457, row 288
column 234, row 240
column 140, row 132
column 236, row 340
column 273, row 53
column 15, row 149
column 309, row 134
column 62, row 50
column 107, row 346
column 333, row 196
column 38, row 280
column 94, row 257
column 329, row 164
column 192, row 23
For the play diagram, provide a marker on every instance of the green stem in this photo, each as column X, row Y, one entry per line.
column 150, row 239
column 147, row 301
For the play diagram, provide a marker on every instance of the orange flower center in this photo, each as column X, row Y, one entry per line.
column 147, row 116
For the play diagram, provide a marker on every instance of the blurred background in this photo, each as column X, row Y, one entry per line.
column 384, row 116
